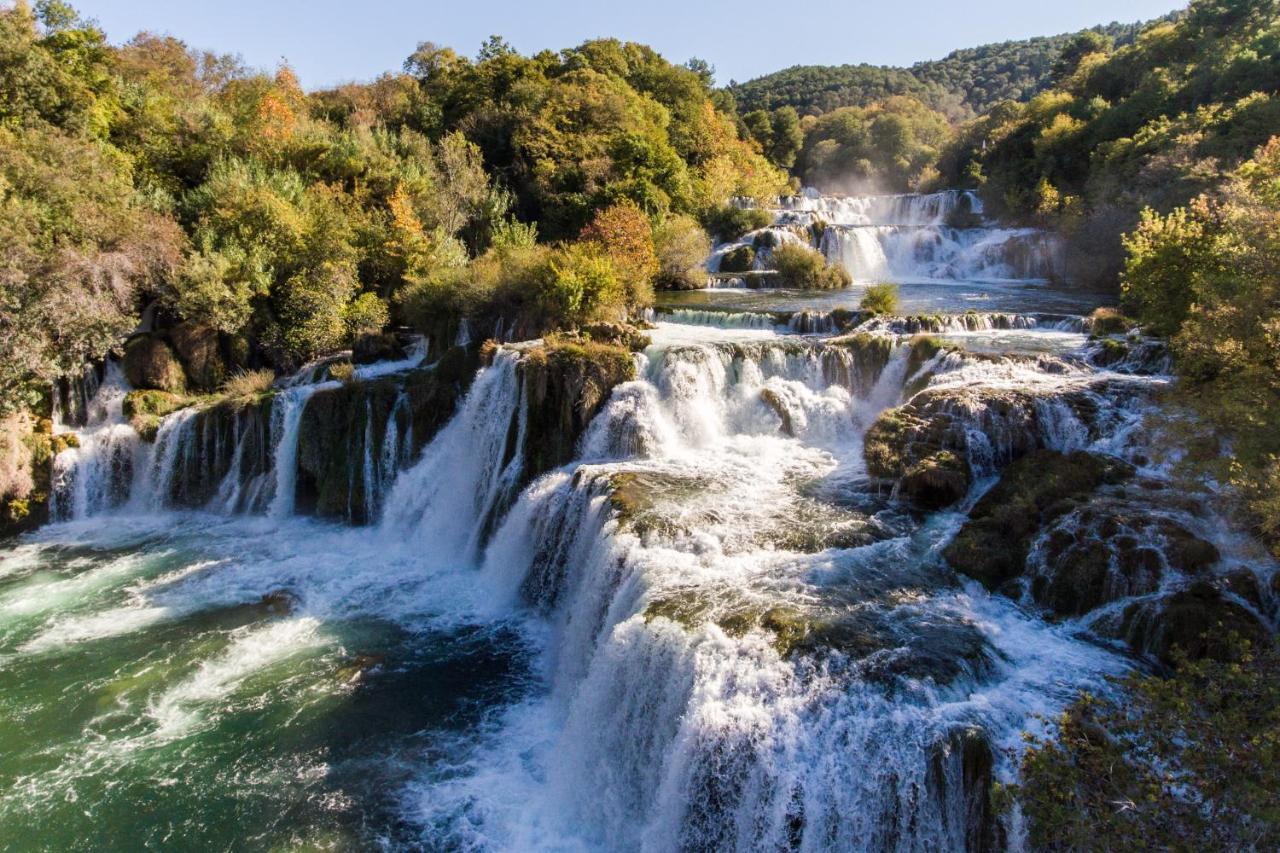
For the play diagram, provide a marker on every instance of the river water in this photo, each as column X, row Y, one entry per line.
column 712, row 630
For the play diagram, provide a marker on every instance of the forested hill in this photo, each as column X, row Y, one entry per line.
column 961, row 84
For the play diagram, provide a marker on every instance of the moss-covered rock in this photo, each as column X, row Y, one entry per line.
column 158, row 403
column 199, row 350
column 1198, row 621
column 738, row 260
column 937, row 481
column 993, row 544
column 923, row 349
column 566, row 382
column 617, row 334
column 149, row 363
column 377, row 347
column 1110, row 548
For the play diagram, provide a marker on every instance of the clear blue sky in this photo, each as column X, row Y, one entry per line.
column 329, row 41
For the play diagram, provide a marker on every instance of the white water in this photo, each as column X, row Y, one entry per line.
column 664, row 713
column 905, row 238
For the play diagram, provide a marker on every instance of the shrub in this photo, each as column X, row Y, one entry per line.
column 741, row 259
column 1186, row 762
column 728, row 223
column 802, row 267
column 343, row 371
column 880, row 299
column 367, row 315
column 1108, row 321
column 622, row 232
column 682, row 248
column 580, row 284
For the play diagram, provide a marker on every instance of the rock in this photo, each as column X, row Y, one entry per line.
column 936, row 481
column 198, row 349
column 771, row 398
column 617, row 334
column 158, row 403
column 992, row 546
column 1244, row 584
column 566, row 383
column 1108, row 549
column 738, row 260
column 149, row 363
column 961, row 776
column 377, row 347
column 1198, row 621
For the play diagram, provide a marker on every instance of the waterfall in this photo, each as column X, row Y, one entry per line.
column 445, row 501
column 928, row 237
column 96, row 476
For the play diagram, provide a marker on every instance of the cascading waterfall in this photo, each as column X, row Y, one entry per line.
column 740, row 640
column 936, row 236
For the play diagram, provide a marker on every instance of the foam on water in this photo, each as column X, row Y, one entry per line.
column 738, row 641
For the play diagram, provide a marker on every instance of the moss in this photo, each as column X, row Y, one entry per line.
column 937, row 481
column 566, row 381
column 993, row 544
column 738, row 260
column 1111, row 352
column 146, row 426
column 1197, row 622
column 923, row 350
column 158, row 403
column 149, row 363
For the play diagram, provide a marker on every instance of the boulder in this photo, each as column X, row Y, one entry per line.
column 1198, row 621
column 738, row 260
column 149, row 363
column 377, row 347
column 993, row 544
column 198, row 349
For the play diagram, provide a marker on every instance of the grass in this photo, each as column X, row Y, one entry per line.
column 248, row 383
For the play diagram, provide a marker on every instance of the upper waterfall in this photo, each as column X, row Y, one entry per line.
column 941, row 236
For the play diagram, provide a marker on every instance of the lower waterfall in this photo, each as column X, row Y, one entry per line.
column 716, row 628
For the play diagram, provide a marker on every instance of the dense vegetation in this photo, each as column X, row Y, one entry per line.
column 284, row 224
column 1151, row 124
column 1188, row 762
column 962, row 84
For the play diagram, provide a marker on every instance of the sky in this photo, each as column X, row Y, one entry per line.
column 333, row 41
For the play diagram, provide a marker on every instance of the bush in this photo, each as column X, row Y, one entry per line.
column 806, row 269
column 580, row 284
column 880, row 299
column 728, row 223
column 1108, row 321
column 367, row 315
column 1189, row 762
column 741, row 259
column 682, row 248
column 622, row 232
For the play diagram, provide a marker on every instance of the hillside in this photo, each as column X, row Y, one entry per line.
column 962, row 84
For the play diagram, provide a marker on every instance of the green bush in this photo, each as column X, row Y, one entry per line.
column 730, row 222
column 367, row 314
column 803, row 268
column 880, row 299
column 1188, row 762
column 682, row 248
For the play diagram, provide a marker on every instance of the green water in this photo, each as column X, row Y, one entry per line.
column 190, row 683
